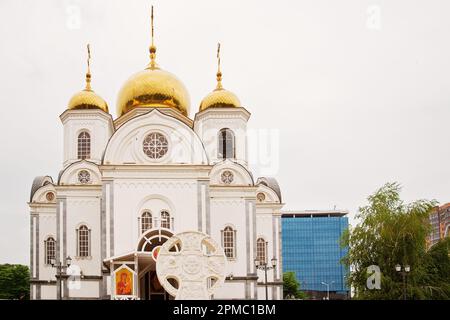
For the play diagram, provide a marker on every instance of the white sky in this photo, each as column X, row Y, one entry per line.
column 357, row 101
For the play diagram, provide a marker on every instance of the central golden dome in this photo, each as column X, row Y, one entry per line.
column 153, row 88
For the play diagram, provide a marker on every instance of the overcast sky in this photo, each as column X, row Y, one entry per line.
column 357, row 92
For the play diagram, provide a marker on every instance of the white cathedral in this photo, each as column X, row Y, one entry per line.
column 129, row 184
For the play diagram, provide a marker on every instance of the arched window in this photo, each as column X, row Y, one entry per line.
column 229, row 242
column 261, row 250
column 226, row 144
column 83, row 247
column 50, row 249
column 146, row 221
column 165, row 219
column 84, row 145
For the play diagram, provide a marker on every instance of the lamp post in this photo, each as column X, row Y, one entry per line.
column 404, row 273
column 328, row 288
column 61, row 270
column 262, row 265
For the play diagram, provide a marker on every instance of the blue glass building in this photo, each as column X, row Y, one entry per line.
column 311, row 249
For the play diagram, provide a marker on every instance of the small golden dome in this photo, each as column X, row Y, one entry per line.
column 153, row 88
column 220, row 98
column 87, row 99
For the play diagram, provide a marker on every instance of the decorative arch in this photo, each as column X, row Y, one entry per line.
column 126, row 143
column 240, row 175
column 155, row 203
column 41, row 194
column 270, row 196
column 70, row 175
column 152, row 238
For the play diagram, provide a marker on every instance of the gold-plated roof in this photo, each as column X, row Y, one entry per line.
column 153, row 88
column 220, row 98
column 87, row 99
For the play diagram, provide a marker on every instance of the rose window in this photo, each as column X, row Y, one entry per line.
column 84, row 177
column 155, row 145
column 227, row 177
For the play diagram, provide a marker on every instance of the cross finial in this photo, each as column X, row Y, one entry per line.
column 88, row 73
column 152, row 46
column 219, row 73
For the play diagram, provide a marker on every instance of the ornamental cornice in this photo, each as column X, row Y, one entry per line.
column 217, row 113
column 228, row 202
column 93, row 114
column 83, row 202
column 155, row 185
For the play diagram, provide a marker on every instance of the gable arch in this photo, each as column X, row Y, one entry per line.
column 69, row 176
column 270, row 195
column 241, row 176
column 155, row 204
column 40, row 195
column 126, row 144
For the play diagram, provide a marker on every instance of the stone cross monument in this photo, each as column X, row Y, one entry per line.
column 196, row 263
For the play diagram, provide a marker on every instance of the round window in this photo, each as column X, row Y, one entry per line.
column 84, row 177
column 227, row 177
column 261, row 197
column 155, row 145
column 50, row 196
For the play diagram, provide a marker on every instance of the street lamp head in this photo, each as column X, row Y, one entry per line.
column 68, row 261
column 257, row 262
column 325, row 284
column 398, row 268
column 274, row 262
column 53, row 262
column 407, row 268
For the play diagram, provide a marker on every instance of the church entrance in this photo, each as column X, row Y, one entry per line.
column 151, row 289
column 148, row 248
column 134, row 274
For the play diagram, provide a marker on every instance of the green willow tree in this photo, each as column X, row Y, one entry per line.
column 391, row 232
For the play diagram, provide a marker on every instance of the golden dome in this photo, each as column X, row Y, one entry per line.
column 153, row 88
column 87, row 99
column 220, row 98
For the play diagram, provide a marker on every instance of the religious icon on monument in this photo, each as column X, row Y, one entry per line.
column 155, row 252
column 124, row 282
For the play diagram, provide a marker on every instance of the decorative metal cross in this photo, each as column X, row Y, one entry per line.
column 195, row 261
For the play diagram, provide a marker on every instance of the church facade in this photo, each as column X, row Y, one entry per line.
column 128, row 184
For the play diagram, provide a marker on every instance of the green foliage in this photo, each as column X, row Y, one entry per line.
column 14, row 281
column 291, row 287
column 391, row 232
